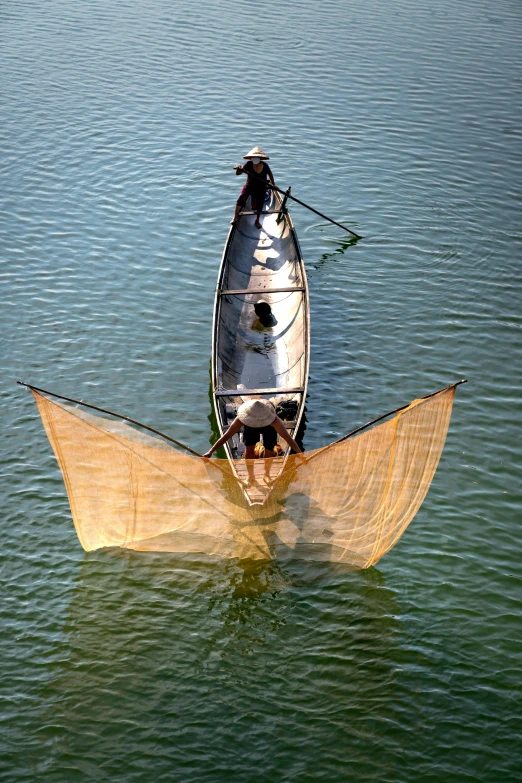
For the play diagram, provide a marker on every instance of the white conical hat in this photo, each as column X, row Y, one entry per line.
column 256, row 413
column 257, row 152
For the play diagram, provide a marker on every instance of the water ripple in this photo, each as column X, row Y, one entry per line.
column 121, row 125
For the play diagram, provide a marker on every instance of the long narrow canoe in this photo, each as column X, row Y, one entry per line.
column 267, row 358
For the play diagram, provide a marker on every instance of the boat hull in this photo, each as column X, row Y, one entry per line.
column 267, row 357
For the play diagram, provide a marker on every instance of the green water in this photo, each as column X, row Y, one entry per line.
column 121, row 123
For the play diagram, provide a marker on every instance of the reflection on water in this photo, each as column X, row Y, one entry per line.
column 160, row 632
column 215, row 434
column 247, row 612
column 341, row 245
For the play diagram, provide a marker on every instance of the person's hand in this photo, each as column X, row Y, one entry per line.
column 208, row 454
column 239, row 169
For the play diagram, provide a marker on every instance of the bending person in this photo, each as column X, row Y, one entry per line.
column 256, row 185
column 258, row 418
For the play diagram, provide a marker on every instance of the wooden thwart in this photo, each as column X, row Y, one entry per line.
column 263, row 212
column 247, row 392
column 236, row 292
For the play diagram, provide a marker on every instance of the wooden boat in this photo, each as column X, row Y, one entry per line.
column 260, row 356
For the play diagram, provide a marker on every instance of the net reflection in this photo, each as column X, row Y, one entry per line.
column 199, row 659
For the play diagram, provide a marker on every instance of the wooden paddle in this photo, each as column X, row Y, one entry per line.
column 287, row 195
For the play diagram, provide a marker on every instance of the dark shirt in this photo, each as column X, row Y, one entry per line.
column 253, row 182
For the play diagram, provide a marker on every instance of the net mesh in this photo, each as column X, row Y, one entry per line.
column 349, row 502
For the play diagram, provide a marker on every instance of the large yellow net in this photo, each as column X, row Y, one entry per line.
column 349, row 502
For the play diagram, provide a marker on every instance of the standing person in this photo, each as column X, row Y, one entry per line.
column 258, row 418
column 257, row 170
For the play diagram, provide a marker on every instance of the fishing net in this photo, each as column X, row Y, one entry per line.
column 349, row 502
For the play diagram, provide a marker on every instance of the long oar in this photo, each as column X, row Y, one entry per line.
column 116, row 415
column 288, row 195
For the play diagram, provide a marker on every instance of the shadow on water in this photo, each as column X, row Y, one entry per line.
column 186, row 661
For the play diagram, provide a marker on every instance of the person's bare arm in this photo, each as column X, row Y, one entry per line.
column 234, row 427
column 270, row 175
column 280, row 428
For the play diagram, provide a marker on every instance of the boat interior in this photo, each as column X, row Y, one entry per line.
column 261, row 320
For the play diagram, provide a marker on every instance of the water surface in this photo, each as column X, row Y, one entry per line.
column 121, row 124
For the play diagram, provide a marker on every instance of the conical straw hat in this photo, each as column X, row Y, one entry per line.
column 256, row 413
column 257, row 152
